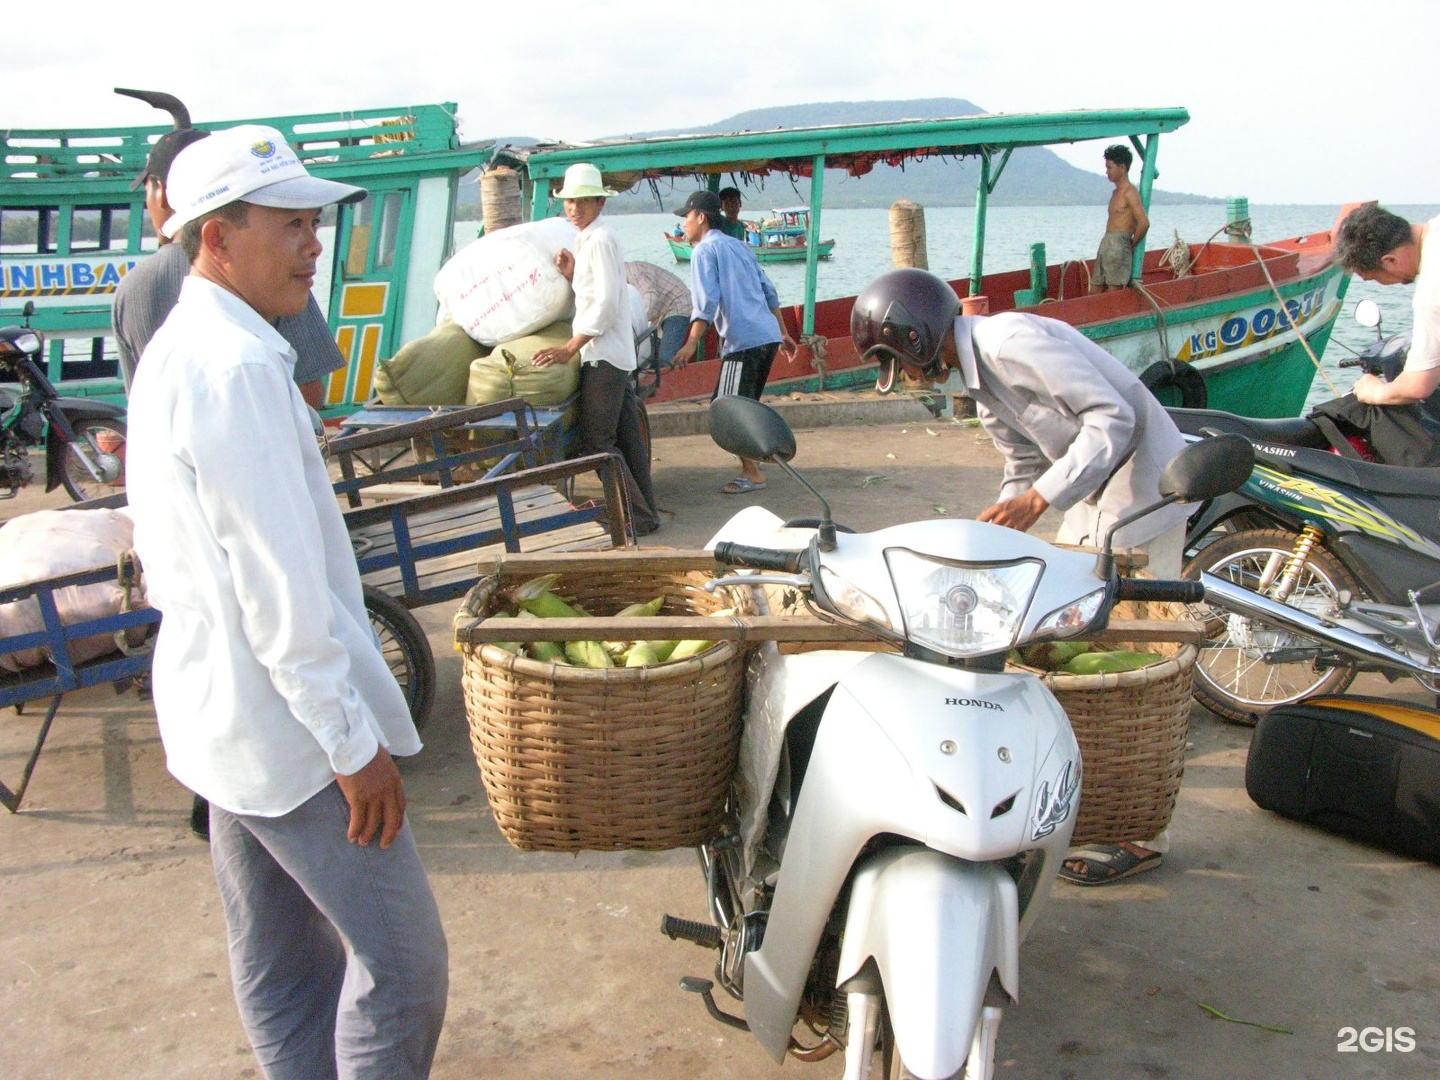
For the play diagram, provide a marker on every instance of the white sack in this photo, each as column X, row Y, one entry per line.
column 46, row 544
column 505, row 284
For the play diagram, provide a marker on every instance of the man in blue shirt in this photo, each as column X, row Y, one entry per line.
column 731, row 291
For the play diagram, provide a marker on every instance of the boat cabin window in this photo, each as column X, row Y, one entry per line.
column 389, row 232
column 100, row 228
column 27, row 232
column 373, row 222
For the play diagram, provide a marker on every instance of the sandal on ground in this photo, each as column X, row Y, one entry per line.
column 742, row 485
column 1104, row 864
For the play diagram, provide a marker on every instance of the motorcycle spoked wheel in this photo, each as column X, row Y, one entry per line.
column 105, row 440
column 406, row 650
column 1232, row 677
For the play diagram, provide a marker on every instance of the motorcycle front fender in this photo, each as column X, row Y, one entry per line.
column 936, row 927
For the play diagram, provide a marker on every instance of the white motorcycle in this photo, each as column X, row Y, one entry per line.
column 899, row 817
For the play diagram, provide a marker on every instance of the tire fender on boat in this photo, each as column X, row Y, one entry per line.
column 1179, row 376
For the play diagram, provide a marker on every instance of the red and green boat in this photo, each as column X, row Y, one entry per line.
column 1234, row 324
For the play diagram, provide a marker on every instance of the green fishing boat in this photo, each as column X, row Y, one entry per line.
column 782, row 237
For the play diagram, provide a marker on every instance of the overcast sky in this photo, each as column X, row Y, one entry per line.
column 1317, row 102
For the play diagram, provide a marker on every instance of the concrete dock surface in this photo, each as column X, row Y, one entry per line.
column 1321, row 954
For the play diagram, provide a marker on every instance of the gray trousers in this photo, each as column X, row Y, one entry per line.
column 337, row 954
column 610, row 424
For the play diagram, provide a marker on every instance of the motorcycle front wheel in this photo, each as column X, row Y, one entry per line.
column 406, row 650
column 103, row 443
column 1247, row 667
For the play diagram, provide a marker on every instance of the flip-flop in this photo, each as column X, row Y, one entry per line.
column 1105, row 864
column 742, row 486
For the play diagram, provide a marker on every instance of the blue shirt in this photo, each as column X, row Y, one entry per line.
column 731, row 291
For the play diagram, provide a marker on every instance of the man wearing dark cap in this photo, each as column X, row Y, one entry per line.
column 731, row 291
column 148, row 292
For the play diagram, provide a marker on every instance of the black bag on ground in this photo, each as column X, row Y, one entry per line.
column 1363, row 767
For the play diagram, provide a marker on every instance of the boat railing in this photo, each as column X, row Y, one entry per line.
column 103, row 153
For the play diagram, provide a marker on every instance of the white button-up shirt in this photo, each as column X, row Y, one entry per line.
column 267, row 677
column 602, row 309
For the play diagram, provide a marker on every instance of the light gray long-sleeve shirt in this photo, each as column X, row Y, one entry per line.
column 1073, row 423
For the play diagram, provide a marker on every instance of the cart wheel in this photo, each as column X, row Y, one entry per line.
column 406, row 650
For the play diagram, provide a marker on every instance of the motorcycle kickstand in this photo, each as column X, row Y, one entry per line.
column 692, row 984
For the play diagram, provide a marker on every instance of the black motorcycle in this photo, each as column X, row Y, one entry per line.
column 83, row 438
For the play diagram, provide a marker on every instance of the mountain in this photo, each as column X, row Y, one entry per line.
column 1035, row 176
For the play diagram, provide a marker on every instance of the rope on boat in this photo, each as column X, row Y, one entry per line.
column 1160, row 326
column 817, row 344
column 1177, row 257
column 1242, row 229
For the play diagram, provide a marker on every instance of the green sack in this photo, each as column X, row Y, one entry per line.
column 507, row 372
column 432, row 370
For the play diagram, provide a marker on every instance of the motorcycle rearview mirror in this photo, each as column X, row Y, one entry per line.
column 752, row 429
column 1204, row 470
column 1367, row 313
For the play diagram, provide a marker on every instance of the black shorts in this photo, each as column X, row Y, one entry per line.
column 743, row 373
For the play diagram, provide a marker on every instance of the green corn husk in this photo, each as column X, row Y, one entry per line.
column 1052, row 655
column 645, row 610
column 548, row 651
column 641, row 655
column 1100, row 663
column 535, row 586
column 549, row 606
column 588, row 654
column 684, row 650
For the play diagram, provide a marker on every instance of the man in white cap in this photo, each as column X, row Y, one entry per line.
column 605, row 341
column 273, row 699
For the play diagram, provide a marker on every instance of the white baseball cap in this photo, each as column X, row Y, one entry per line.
column 251, row 162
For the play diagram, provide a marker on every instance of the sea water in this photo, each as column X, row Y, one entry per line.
column 862, row 252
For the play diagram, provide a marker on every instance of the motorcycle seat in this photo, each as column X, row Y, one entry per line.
column 1281, row 431
column 1369, row 477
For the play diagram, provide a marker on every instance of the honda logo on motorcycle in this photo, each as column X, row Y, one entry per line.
column 974, row 703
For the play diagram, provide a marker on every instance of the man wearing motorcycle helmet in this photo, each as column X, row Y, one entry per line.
column 1077, row 428
column 1376, row 245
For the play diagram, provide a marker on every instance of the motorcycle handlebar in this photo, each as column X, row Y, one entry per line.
column 1184, row 592
column 732, row 554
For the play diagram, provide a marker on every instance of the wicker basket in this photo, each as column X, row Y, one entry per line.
column 606, row 759
column 1131, row 726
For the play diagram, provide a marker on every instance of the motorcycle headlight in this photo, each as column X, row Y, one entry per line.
column 1055, row 799
column 962, row 609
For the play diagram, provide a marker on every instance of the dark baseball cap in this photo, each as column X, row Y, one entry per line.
column 707, row 202
column 164, row 152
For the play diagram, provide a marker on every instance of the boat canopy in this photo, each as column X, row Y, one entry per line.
column 807, row 152
column 72, row 226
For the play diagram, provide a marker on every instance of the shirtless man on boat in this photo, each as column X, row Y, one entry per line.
column 1126, row 224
